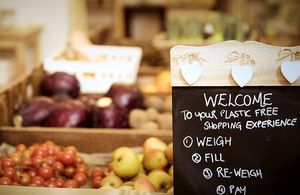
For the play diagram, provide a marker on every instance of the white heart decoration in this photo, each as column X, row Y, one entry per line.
column 291, row 70
column 242, row 74
column 191, row 72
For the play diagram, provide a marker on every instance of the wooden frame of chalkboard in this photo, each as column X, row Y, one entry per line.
column 236, row 109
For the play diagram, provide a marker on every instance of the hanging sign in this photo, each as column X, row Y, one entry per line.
column 236, row 112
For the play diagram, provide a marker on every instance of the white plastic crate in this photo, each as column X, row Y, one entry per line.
column 105, row 66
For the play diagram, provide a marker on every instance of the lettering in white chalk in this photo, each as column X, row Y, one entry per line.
column 262, row 124
column 224, row 99
column 220, row 141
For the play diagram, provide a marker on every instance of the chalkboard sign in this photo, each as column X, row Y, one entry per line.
column 232, row 136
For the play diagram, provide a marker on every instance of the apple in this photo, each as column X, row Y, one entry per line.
column 112, row 181
column 121, row 150
column 171, row 190
column 126, row 165
column 126, row 187
column 153, row 143
column 161, row 180
column 155, row 159
column 139, row 176
column 169, row 153
column 144, row 184
column 170, row 171
column 140, row 157
column 107, row 187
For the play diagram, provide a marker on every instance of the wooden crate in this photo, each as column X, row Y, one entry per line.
column 89, row 140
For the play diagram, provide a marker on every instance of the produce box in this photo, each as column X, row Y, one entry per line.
column 95, row 144
column 86, row 139
column 97, row 67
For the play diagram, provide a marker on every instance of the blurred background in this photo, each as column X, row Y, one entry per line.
column 153, row 25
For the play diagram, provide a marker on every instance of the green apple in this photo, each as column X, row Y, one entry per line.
column 171, row 190
column 107, row 187
column 155, row 159
column 126, row 188
column 140, row 157
column 121, row 150
column 126, row 166
column 169, row 152
column 139, row 176
column 161, row 180
column 128, row 185
column 112, row 181
column 144, row 184
column 170, row 171
column 153, row 143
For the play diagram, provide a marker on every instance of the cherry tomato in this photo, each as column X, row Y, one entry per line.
column 58, row 168
column 97, row 171
column 25, row 179
column 10, row 173
column 50, row 184
column 51, row 151
column 16, row 158
column 96, row 181
column 81, row 178
column 45, row 172
column 71, row 149
column 37, row 161
column 50, row 160
column 71, row 183
column 69, row 171
column 21, row 147
column 27, row 153
column 32, row 172
column 38, row 180
column 59, row 182
column 39, row 152
column 5, row 181
column 79, row 159
column 7, row 162
column 68, row 158
column 26, row 161
column 82, row 168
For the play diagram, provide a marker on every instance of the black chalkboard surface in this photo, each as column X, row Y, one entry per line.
column 233, row 140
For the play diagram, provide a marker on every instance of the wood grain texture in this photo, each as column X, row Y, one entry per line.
column 217, row 72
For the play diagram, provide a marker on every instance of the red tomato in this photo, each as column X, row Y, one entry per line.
column 59, row 182
column 32, row 172
column 79, row 159
column 5, row 181
column 25, row 179
column 16, row 158
column 21, row 147
column 37, row 161
column 10, row 173
column 71, row 149
column 38, row 180
column 82, row 168
column 97, row 171
column 81, row 178
column 50, row 184
column 96, row 182
column 7, row 162
column 68, row 158
column 69, row 171
column 45, row 172
column 58, row 167
column 71, row 183
column 26, row 161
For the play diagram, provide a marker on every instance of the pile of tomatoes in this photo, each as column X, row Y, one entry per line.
column 44, row 165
